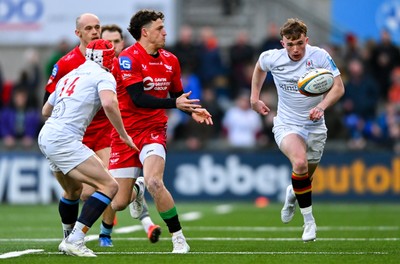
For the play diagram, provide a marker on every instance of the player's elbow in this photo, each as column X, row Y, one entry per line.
column 108, row 104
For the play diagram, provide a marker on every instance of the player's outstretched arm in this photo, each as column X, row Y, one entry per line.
column 110, row 105
column 257, row 81
column 184, row 103
column 201, row 115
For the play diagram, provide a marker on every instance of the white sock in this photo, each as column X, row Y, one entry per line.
column 78, row 233
column 147, row 223
column 67, row 229
column 307, row 214
column 177, row 233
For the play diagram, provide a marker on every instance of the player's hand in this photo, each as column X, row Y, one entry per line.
column 316, row 113
column 260, row 107
column 201, row 115
column 128, row 141
column 185, row 104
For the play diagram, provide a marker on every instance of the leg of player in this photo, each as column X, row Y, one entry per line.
column 68, row 206
column 294, row 147
column 138, row 209
column 153, row 171
column 93, row 173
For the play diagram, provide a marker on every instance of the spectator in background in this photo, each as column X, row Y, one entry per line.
column 394, row 89
column 61, row 49
column 241, row 56
column 241, row 123
column 360, row 102
column 271, row 41
column 1, row 88
column 351, row 48
column 212, row 69
column 30, row 77
column 187, row 50
column 384, row 58
column 197, row 136
column 19, row 121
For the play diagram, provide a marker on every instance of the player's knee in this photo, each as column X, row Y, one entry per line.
column 154, row 185
column 300, row 165
column 119, row 203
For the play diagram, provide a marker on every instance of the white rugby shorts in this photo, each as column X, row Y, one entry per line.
column 63, row 152
column 315, row 139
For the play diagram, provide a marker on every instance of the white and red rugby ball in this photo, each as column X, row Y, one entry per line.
column 315, row 82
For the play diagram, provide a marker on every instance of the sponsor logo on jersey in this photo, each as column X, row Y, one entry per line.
column 125, row 63
column 54, row 71
column 144, row 67
column 154, row 136
column 148, row 83
column 280, row 68
column 155, row 63
column 158, row 84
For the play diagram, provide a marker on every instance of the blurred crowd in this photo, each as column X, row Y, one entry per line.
column 368, row 116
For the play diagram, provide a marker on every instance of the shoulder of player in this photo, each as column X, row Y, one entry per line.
column 316, row 50
column 273, row 55
column 71, row 60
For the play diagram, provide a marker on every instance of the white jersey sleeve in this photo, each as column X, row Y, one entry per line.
column 77, row 99
column 293, row 107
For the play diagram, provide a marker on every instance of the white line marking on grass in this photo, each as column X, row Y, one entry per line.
column 191, row 216
column 280, row 229
column 230, row 253
column 224, row 209
column 14, row 254
column 262, row 239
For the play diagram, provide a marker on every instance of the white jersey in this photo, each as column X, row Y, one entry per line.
column 293, row 107
column 76, row 99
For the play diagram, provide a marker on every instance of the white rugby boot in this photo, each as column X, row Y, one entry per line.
column 136, row 206
column 77, row 248
column 310, row 232
column 179, row 244
column 289, row 208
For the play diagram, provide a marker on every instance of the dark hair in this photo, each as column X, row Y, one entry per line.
column 293, row 28
column 111, row 28
column 141, row 19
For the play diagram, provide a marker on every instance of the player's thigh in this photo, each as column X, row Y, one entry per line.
column 152, row 157
column 294, row 147
column 92, row 172
column 104, row 155
column 71, row 187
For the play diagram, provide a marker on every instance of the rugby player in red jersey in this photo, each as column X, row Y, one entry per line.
column 152, row 81
column 113, row 33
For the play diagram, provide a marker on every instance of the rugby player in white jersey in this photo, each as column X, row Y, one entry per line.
column 299, row 126
column 71, row 107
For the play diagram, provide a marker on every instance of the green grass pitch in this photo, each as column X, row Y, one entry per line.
column 217, row 233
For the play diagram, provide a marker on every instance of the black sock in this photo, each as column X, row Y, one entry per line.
column 302, row 189
column 68, row 210
column 93, row 208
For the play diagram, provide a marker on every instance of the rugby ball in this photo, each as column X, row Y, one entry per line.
column 315, row 82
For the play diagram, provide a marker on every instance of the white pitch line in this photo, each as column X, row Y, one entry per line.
column 296, row 228
column 360, row 239
column 14, row 254
column 231, row 253
column 224, row 209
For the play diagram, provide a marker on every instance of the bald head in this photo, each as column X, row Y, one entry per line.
column 86, row 18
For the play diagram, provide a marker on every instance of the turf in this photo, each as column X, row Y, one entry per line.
column 217, row 233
